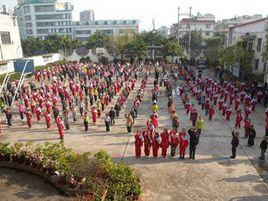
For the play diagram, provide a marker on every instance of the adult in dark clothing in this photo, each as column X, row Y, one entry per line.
column 235, row 143
column 117, row 109
column 251, row 136
column 194, row 136
column 112, row 115
column 193, row 117
column 8, row 117
column 263, row 147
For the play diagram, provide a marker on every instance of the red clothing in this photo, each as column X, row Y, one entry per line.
column 48, row 120
column 164, row 143
column 147, row 143
column 29, row 119
column 156, row 145
column 183, row 142
column 138, row 144
column 211, row 112
column 238, row 120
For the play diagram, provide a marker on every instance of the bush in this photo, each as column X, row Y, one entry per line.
column 49, row 65
column 98, row 174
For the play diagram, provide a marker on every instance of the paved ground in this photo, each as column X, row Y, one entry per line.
column 213, row 176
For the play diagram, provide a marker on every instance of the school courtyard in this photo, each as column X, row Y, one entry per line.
column 212, row 176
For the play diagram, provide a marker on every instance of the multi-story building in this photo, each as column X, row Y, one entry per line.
column 224, row 24
column 205, row 24
column 10, row 45
column 87, row 16
column 83, row 30
column 40, row 18
column 254, row 33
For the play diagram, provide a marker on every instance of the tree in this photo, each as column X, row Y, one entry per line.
column 172, row 48
column 31, row 46
column 67, row 44
column 52, row 43
column 151, row 37
column 227, row 57
column 135, row 49
column 213, row 50
column 118, row 43
column 98, row 40
column 196, row 43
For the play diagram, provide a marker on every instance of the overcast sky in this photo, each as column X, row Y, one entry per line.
column 164, row 11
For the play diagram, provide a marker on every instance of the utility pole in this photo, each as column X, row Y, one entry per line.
column 189, row 15
column 153, row 52
column 190, row 37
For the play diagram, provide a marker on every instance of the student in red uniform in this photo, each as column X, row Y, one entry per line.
column 183, row 142
column 174, row 141
column 164, row 142
column 48, row 119
column 60, row 126
column 247, row 124
column 228, row 113
column 211, row 113
column 156, row 144
column 147, row 143
column 29, row 118
column 138, row 143
column 238, row 119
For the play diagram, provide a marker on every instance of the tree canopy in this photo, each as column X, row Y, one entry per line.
column 172, row 48
column 196, row 43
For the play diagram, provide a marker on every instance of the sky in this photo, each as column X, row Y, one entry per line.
column 163, row 11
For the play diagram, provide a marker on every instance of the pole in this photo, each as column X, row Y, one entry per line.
column 189, row 41
column 19, row 84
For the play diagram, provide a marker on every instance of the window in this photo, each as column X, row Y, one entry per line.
column 44, row 8
column 134, row 22
column 46, row 24
column 50, row 17
column 105, row 23
column 259, row 44
column 83, row 32
column 42, row 31
column 26, row 9
column 28, row 24
column 107, row 31
column 250, row 45
column 115, row 22
column 188, row 26
column 28, row 17
column 207, row 33
column 256, row 64
column 124, row 22
column 5, row 38
column 29, row 31
column 207, row 26
column 96, row 23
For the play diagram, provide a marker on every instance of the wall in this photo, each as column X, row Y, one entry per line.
column 45, row 59
column 6, row 67
column 9, row 24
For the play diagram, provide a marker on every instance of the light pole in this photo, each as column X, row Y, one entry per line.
column 189, row 41
column 20, row 82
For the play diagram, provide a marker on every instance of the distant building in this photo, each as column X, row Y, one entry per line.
column 40, row 18
column 163, row 31
column 10, row 45
column 224, row 24
column 83, row 30
column 206, row 24
column 87, row 16
column 253, row 33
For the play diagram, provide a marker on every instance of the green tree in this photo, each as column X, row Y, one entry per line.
column 196, row 43
column 68, row 44
column 213, row 50
column 31, row 46
column 172, row 48
column 52, row 43
column 227, row 57
column 151, row 37
column 135, row 49
column 98, row 40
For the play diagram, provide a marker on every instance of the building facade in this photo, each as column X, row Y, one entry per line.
column 254, row 33
column 206, row 24
column 87, row 16
column 40, row 18
column 10, row 45
column 83, row 30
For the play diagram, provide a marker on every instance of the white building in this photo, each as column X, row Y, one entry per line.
column 87, row 16
column 254, row 33
column 40, row 18
column 10, row 45
column 206, row 24
column 83, row 30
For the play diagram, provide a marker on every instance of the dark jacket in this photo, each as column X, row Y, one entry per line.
column 235, row 141
column 194, row 138
column 263, row 144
